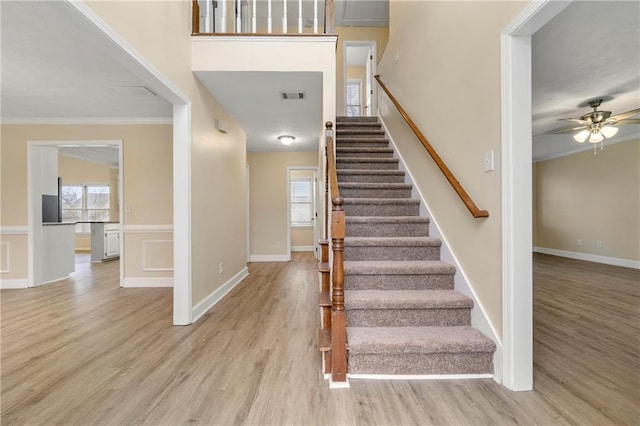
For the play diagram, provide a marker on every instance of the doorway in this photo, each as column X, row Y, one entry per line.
column 302, row 211
column 51, row 253
column 359, row 67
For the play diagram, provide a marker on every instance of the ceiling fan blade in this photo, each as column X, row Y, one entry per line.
column 576, row 120
column 565, row 129
column 624, row 115
column 627, row 121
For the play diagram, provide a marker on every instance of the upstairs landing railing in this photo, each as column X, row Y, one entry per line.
column 245, row 17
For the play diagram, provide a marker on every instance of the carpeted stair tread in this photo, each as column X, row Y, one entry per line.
column 365, row 160
column 362, row 131
column 381, row 185
column 345, row 119
column 352, row 150
column 395, row 267
column 392, row 241
column 350, row 172
column 382, row 201
column 417, row 340
column 387, row 219
column 406, row 299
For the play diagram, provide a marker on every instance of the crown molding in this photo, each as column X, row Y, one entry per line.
column 87, row 120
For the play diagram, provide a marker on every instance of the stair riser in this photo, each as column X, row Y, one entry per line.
column 362, row 144
column 366, row 165
column 408, row 317
column 392, row 253
column 340, row 120
column 359, row 133
column 388, row 229
column 398, row 282
column 371, row 178
column 342, row 154
column 438, row 363
column 381, row 210
column 375, row 193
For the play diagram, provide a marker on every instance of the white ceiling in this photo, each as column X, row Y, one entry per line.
column 253, row 99
column 357, row 55
column 361, row 13
column 55, row 66
column 591, row 49
column 101, row 154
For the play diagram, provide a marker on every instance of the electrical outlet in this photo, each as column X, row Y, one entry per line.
column 220, row 268
column 599, row 244
column 488, row 161
column 579, row 241
column 278, row 243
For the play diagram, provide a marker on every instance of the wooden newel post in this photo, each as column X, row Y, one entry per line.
column 338, row 319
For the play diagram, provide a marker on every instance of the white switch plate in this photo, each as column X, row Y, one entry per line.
column 488, row 161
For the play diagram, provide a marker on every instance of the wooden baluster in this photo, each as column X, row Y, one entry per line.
column 338, row 317
column 315, row 16
column 254, row 23
column 269, row 19
column 299, row 16
column 328, row 17
column 238, row 16
column 195, row 17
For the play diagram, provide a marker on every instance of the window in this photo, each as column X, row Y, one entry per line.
column 85, row 203
column 354, row 103
column 302, row 211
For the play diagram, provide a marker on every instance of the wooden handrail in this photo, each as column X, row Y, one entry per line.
column 466, row 199
column 338, row 232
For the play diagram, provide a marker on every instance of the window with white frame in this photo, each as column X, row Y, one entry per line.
column 85, row 203
column 354, row 98
column 302, row 210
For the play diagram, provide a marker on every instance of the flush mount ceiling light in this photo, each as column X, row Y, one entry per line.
column 596, row 125
column 286, row 139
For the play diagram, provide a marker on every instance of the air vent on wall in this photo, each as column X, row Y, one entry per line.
column 293, row 96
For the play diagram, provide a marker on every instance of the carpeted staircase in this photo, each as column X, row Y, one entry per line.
column 403, row 316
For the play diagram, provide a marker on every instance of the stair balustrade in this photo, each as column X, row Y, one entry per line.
column 333, row 334
column 244, row 17
column 457, row 187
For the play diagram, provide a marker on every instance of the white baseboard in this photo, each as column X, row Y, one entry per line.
column 615, row 261
column 270, row 258
column 131, row 282
column 6, row 284
column 339, row 385
column 303, row 248
column 217, row 295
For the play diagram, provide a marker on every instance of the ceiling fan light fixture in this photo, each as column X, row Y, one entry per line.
column 609, row 131
column 286, row 139
column 581, row 136
column 596, row 137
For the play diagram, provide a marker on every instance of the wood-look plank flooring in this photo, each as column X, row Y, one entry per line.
column 84, row 351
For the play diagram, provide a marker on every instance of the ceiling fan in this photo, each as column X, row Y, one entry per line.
column 597, row 125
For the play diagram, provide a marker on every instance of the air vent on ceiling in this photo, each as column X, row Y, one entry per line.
column 293, row 96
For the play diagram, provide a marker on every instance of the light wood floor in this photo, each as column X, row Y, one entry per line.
column 85, row 352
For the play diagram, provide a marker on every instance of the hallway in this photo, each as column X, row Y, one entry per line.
column 85, row 351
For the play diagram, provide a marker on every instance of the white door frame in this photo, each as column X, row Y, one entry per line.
column 248, row 213
column 315, row 206
column 34, row 221
column 517, row 243
column 373, row 45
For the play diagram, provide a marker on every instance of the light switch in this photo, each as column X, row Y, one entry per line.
column 488, row 161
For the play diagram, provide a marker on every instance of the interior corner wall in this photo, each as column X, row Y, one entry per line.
column 585, row 198
column 378, row 34
column 147, row 172
column 218, row 160
column 268, row 199
column 449, row 64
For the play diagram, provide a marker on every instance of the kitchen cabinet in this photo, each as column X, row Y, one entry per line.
column 105, row 241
